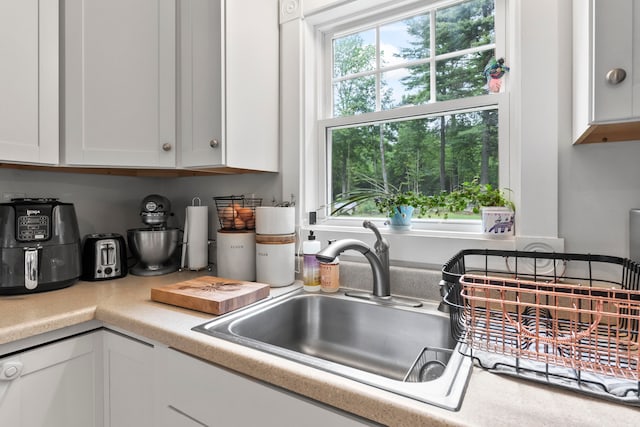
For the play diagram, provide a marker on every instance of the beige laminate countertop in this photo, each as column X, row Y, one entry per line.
column 124, row 303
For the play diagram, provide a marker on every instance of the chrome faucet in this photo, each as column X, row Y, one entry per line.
column 379, row 262
column 381, row 247
column 381, row 286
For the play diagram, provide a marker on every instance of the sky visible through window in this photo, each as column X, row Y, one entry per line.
column 393, row 38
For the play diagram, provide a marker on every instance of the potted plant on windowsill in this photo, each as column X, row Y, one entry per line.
column 497, row 209
column 398, row 206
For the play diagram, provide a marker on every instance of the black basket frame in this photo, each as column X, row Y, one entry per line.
column 544, row 267
column 228, row 221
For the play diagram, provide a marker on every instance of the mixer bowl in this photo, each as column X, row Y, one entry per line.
column 153, row 248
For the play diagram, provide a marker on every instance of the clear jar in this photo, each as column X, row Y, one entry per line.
column 311, row 265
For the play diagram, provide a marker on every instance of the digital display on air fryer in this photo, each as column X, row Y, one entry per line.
column 33, row 223
column 32, row 228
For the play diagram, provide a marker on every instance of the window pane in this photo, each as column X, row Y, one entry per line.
column 354, row 96
column 400, row 150
column 355, row 153
column 354, row 53
column 425, row 155
column 465, row 25
column 462, row 76
column 403, row 68
column 405, row 86
column 405, row 40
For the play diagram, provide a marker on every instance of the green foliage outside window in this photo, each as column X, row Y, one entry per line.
column 420, row 155
column 465, row 200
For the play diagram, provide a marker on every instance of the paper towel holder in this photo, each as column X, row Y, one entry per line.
column 185, row 239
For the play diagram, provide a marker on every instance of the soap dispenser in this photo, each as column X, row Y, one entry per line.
column 311, row 266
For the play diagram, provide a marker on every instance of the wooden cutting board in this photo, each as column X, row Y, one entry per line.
column 211, row 294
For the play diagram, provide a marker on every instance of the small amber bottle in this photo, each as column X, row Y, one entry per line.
column 330, row 275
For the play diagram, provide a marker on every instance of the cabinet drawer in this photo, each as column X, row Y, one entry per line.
column 214, row 396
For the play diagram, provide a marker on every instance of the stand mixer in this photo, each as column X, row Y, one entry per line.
column 154, row 246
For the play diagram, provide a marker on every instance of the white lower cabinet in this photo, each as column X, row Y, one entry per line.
column 104, row 378
column 52, row 385
column 129, row 392
column 198, row 393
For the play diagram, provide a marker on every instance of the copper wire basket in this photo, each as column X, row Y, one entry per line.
column 237, row 213
column 585, row 328
column 570, row 320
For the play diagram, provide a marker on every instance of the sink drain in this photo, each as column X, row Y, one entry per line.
column 431, row 370
column 429, row 365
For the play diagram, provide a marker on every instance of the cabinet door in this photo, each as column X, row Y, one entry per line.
column 252, row 91
column 613, row 48
column 208, row 395
column 53, row 385
column 129, row 387
column 119, row 83
column 200, row 111
column 29, row 81
column 229, row 84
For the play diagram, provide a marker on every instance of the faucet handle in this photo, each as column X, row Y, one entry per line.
column 381, row 244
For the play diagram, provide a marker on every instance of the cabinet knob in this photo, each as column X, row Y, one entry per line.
column 616, row 75
column 166, row 146
column 214, row 143
column 10, row 370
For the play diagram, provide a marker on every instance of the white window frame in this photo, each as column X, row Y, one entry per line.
column 533, row 147
column 499, row 101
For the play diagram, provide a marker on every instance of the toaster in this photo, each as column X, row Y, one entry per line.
column 104, row 257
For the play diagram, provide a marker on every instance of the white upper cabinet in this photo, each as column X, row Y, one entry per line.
column 606, row 70
column 29, row 129
column 145, row 84
column 119, row 83
column 229, row 84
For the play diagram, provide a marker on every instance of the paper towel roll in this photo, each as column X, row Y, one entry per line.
column 197, row 230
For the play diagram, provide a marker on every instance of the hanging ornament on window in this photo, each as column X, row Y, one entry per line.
column 493, row 72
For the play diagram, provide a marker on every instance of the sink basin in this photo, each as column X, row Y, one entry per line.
column 408, row 351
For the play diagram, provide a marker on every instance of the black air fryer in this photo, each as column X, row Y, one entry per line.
column 39, row 246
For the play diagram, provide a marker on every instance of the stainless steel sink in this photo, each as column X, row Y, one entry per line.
column 404, row 350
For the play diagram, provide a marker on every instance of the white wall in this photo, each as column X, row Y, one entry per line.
column 597, row 183
column 107, row 204
column 181, row 192
column 103, row 204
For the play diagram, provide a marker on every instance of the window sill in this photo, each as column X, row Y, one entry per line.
column 415, row 247
column 438, row 226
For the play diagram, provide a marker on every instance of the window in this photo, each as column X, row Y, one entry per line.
column 407, row 103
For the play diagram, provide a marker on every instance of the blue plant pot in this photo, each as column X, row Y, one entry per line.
column 401, row 217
